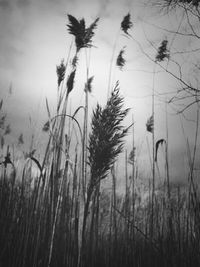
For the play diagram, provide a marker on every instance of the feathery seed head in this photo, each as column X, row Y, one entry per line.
column 120, row 59
column 150, row 124
column 88, row 85
column 132, row 155
column 163, row 52
column 126, row 23
column 83, row 35
column 106, row 138
column 60, row 72
column 74, row 61
column 70, row 81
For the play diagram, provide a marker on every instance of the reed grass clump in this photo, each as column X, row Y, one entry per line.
column 63, row 215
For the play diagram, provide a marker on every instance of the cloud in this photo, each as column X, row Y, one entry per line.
column 5, row 5
column 23, row 3
column 13, row 26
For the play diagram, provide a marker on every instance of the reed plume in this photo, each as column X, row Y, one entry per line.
column 105, row 144
column 120, row 59
column 106, row 139
column 88, row 84
column 70, row 81
column 60, row 70
column 83, row 35
column 163, row 52
column 126, row 23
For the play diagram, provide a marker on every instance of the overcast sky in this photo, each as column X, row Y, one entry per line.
column 34, row 39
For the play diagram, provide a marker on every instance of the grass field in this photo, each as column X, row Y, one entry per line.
column 64, row 215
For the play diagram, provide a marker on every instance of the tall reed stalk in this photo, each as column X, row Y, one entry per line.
column 105, row 143
column 44, row 220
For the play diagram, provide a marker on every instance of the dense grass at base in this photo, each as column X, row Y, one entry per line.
column 26, row 229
